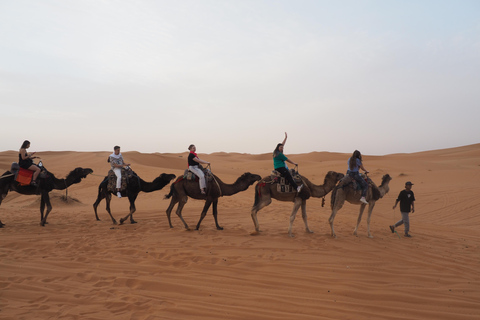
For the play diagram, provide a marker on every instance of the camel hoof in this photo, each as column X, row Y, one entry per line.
column 254, row 233
column 310, row 231
column 291, row 235
column 219, row 228
column 133, row 221
column 370, row 236
column 121, row 221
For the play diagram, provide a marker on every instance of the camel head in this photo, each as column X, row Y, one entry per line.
column 164, row 178
column 384, row 186
column 78, row 174
column 250, row 178
column 334, row 176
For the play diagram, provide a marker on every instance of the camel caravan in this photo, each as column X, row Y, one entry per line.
column 198, row 182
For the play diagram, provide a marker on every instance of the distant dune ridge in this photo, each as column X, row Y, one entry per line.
column 79, row 268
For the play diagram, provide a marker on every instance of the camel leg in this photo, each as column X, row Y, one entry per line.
column 42, row 208
column 304, row 216
column 2, row 196
column 46, row 198
column 370, row 210
column 100, row 197
column 296, row 206
column 204, row 212
column 131, row 198
column 360, row 214
column 215, row 214
column 173, row 202
column 108, row 198
column 336, row 206
column 264, row 201
column 180, row 206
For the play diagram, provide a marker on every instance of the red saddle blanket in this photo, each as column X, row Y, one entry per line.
column 24, row 176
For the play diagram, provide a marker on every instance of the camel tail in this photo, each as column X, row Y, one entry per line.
column 257, row 195
column 334, row 196
column 172, row 189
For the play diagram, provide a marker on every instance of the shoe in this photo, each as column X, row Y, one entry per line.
column 34, row 183
column 203, row 191
column 392, row 228
column 119, row 194
column 407, row 235
column 299, row 188
column 363, row 200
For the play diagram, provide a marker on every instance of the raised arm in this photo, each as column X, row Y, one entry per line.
column 285, row 140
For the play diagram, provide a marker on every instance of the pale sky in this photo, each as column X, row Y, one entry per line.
column 379, row 76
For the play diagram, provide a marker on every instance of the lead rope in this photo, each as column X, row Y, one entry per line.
column 213, row 176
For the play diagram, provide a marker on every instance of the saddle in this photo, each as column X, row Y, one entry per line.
column 112, row 179
column 282, row 183
column 24, row 176
column 349, row 182
column 189, row 175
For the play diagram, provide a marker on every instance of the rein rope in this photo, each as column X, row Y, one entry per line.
column 213, row 176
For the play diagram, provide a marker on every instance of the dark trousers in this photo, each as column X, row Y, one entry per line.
column 361, row 181
column 286, row 174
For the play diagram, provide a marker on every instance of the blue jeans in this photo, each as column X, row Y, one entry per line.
column 361, row 181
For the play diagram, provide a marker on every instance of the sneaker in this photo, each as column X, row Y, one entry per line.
column 392, row 228
column 299, row 188
column 33, row 183
column 407, row 235
column 363, row 200
column 119, row 194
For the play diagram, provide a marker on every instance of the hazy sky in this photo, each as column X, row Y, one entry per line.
column 155, row 76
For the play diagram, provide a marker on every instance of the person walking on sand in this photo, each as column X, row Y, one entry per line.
column 25, row 161
column 406, row 199
column 279, row 164
column 193, row 166
column 354, row 164
column 117, row 163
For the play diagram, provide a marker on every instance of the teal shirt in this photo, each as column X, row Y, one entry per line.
column 279, row 161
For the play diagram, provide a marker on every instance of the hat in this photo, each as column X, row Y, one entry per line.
column 408, row 183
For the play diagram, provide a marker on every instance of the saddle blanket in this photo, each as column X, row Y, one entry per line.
column 282, row 183
column 24, row 176
column 189, row 175
column 112, row 180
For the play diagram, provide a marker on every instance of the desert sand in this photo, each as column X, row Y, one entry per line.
column 79, row 268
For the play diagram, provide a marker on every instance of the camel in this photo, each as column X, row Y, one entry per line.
column 45, row 185
column 182, row 189
column 347, row 193
column 266, row 189
column 134, row 186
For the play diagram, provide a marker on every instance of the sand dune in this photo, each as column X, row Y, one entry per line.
column 79, row 268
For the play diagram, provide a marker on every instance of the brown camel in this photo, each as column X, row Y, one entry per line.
column 266, row 189
column 134, row 186
column 347, row 193
column 46, row 183
column 182, row 189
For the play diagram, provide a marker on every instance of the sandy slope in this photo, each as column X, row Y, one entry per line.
column 79, row 268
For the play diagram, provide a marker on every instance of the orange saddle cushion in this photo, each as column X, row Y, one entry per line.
column 24, row 176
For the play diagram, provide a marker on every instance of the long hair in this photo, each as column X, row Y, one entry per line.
column 277, row 151
column 353, row 159
column 25, row 144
